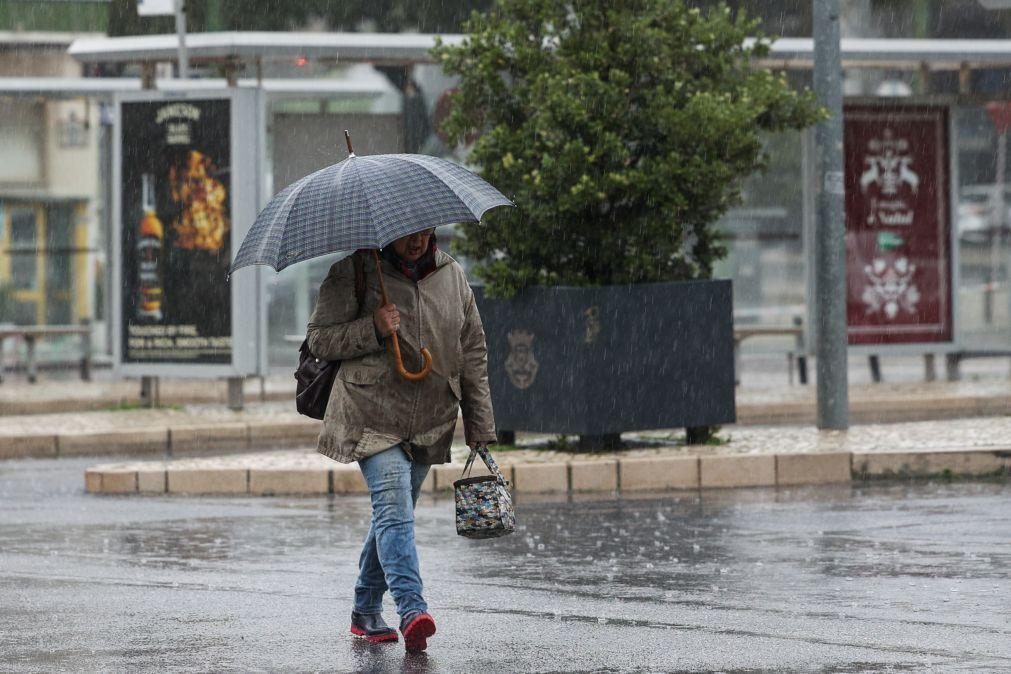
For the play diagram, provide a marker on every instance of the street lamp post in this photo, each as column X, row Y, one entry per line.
column 830, row 231
column 184, row 61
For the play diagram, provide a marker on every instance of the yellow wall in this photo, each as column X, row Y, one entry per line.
column 81, row 306
column 78, row 294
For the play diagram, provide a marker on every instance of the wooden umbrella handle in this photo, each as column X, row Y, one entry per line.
column 398, row 360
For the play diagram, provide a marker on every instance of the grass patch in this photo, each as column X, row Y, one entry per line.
column 498, row 448
column 561, row 444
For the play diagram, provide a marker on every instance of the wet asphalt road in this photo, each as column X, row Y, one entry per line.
column 875, row 578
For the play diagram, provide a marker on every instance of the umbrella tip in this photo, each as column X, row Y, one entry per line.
column 347, row 139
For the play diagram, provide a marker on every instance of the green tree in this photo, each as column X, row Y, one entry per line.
column 621, row 130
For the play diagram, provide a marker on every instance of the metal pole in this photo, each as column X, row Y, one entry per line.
column 105, row 130
column 1000, row 208
column 830, row 245
column 184, row 61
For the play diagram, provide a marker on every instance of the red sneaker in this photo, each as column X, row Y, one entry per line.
column 416, row 628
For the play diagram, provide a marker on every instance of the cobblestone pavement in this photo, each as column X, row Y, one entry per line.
column 983, row 390
column 182, row 416
column 956, row 435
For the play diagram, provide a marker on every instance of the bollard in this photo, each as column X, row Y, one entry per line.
column 86, row 350
column 235, row 400
column 802, row 369
column 149, row 394
column 988, row 289
column 801, row 352
column 875, row 365
column 930, row 369
column 951, row 363
column 32, row 368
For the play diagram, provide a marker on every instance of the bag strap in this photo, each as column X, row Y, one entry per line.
column 485, row 455
column 359, row 279
column 359, row 264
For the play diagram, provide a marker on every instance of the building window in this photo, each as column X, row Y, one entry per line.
column 23, row 249
column 72, row 132
column 21, row 142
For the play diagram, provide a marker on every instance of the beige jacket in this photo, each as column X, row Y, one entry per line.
column 371, row 407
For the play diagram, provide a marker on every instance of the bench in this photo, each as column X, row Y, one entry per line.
column 30, row 334
column 744, row 332
column 954, row 358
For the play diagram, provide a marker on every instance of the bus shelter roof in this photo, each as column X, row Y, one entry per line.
column 408, row 48
column 99, row 87
column 204, row 47
column 895, row 53
column 252, row 46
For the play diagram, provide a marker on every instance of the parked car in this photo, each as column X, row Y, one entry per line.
column 975, row 214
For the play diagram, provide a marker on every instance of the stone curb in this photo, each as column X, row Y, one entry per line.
column 609, row 476
column 884, row 411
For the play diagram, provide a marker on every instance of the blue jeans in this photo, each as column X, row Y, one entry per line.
column 389, row 559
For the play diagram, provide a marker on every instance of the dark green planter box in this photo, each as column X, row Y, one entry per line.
column 594, row 361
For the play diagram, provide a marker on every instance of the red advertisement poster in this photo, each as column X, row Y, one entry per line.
column 898, row 258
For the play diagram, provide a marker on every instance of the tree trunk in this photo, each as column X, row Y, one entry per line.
column 699, row 435
column 600, row 443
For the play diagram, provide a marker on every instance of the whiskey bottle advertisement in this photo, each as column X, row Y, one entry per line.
column 150, row 236
column 176, row 225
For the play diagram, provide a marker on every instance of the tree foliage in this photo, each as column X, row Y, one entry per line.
column 621, row 130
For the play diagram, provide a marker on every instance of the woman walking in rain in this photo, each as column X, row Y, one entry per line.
column 394, row 427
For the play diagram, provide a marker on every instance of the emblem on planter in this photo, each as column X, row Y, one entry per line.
column 520, row 365
column 592, row 324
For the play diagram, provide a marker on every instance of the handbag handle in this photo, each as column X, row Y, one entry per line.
column 485, row 455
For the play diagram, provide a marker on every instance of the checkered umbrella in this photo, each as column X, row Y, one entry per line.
column 364, row 202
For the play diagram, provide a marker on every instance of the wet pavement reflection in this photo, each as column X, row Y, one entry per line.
column 882, row 577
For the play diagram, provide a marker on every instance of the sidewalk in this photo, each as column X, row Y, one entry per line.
column 61, row 393
column 175, row 431
column 764, row 398
column 747, row 457
column 119, row 426
column 964, row 428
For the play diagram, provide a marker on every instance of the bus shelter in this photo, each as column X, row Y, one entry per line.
column 924, row 171
column 926, row 203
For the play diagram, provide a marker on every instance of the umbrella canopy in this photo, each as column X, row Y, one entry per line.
column 364, row 202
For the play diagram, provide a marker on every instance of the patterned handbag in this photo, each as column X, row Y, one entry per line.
column 484, row 508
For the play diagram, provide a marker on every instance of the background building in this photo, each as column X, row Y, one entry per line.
column 54, row 228
column 49, row 184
